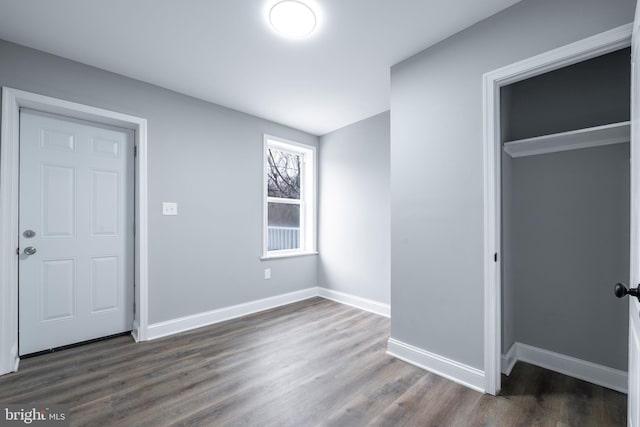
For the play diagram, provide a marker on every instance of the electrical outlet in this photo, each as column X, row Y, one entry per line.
column 169, row 208
column 267, row 273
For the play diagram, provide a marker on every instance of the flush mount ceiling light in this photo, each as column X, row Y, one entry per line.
column 292, row 19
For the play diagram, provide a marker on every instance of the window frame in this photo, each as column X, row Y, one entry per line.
column 308, row 196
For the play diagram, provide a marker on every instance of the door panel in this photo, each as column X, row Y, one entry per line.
column 634, row 367
column 76, row 195
column 58, row 188
column 58, row 289
column 104, row 280
column 633, row 397
column 104, row 198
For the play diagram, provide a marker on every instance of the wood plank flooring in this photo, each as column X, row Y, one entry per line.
column 311, row 363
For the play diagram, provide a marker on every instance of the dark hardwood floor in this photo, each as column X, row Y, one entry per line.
column 315, row 362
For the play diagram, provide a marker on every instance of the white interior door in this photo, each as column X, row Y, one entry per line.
column 76, row 231
column 634, row 305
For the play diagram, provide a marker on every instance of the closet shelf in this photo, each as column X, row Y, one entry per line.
column 582, row 138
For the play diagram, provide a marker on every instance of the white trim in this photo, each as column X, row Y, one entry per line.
column 134, row 332
column 356, row 301
column 15, row 357
column 141, row 320
column 440, row 365
column 9, row 173
column 590, row 47
column 604, row 376
column 12, row 101
column 288, row 145
column 186, row 323
column 509, row 360
column 194, row 321
column 275, row 255
column 308, row 205
column 614, row 133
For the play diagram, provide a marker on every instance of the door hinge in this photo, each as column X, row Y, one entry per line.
column 495, row 257
column 17, row 251
column 135, row 151
column 134, row 228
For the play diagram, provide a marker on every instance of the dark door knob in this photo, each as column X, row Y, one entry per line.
column 621, row 290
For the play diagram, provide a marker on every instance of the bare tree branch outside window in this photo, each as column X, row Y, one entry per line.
column 283, row 174
column 287, row 211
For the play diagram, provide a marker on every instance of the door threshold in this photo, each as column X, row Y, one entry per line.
column 78, row 344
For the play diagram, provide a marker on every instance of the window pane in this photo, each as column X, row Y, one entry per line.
column 283, row 226
column 283, row 173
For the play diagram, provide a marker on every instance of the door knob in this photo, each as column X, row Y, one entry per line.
column 621, row 290
column 29, row 250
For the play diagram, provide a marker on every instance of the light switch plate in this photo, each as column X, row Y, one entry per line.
column 169, row 208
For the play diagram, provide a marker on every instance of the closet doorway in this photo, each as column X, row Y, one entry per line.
column 565, row 56
column 566, row 219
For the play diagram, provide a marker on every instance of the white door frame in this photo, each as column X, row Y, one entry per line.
column 12, row 101
column 582, row 50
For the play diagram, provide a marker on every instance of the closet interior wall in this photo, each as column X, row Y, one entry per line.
column 565, row 215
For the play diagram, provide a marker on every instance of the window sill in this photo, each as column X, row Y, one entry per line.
column 289, row 255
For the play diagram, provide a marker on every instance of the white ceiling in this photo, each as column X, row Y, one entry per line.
column 223, row 50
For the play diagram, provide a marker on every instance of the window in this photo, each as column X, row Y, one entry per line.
column 289, row 198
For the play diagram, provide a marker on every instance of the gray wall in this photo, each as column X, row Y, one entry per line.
column 436, row 166
column 206, row 158
column 571, row 245
column 354, row 210
column 590, row 93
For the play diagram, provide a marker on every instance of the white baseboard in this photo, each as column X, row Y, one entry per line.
column 440, row 365
column 355, row 301
column 509, row 360
column 186, row 323
column 182, row 324
column 567, row 365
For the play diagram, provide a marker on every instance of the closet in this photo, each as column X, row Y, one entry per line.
column 565, row 219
